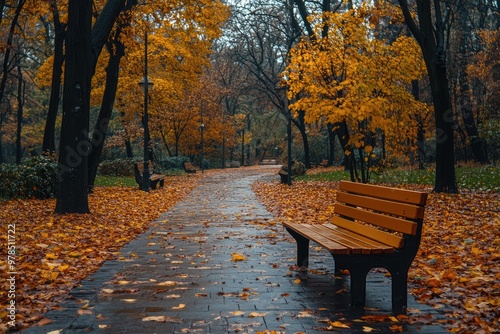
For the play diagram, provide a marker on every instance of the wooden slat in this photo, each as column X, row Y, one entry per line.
column 399, row 209
column 397, row 195
column 370, row 232
column 392, row 223
column 355, row 245
column 332, row 246
column 375, row 245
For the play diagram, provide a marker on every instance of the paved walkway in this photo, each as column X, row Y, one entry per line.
column 216, row 263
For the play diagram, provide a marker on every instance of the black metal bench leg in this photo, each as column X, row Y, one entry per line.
column 399, row 290
column 358, row 286
column 162, row 182
column 302, row 248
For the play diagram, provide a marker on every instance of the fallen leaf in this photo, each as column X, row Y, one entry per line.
column 338, row 324
column 237, row 257
column 179, row 307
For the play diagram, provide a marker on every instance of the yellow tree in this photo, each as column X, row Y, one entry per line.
column 353, row 78
column 180, row 36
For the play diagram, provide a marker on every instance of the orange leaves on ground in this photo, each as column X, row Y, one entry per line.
column 457, row 264
column 55, row 252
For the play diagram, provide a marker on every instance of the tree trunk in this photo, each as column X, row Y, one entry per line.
column 420, row 131
column 49, row 144
column 8, row 48
column 128, row 148
column 20, row 105
column 331, row 144
column 74, row 148
column 431, row 41
column 300, row 124
column 116, row 49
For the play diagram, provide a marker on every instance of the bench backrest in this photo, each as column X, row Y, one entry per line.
column 389, row 210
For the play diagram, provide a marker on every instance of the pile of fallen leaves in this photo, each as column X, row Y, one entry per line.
column 55, row 252
column 457, row 268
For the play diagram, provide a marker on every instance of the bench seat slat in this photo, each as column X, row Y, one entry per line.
column 389, row 222
column 304, row 229
column 392, row 194
column 355, row 245
column 375, row 246
column 399, row 209
column 371, row 232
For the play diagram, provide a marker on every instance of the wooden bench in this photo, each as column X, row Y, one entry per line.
column 374, row 227
column 154, row 179
column 324, row 163
column 189, row 167
column 268, row 162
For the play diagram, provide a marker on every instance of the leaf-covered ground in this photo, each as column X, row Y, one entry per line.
column 457, row 268
column 55, row 252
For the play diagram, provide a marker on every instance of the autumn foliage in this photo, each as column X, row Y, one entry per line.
column 347, row 75
column 55, row 252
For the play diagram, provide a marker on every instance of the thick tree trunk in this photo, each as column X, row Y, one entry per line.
column 432, row 42
column 74, row 148
column 445, row 180
column 49, row 144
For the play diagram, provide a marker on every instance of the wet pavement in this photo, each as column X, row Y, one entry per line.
column 218, row 263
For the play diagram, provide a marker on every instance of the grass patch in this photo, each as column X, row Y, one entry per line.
column 468, row 177
column 124, row 181
column 115, row 181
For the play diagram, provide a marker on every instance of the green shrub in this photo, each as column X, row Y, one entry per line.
column 35, row 177
column 174, row 162
column 298, row 168
column 117, row 167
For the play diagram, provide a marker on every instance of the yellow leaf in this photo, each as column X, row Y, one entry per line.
column 236, row 313
column 238, row 257
column 63, row 267
column 50, row 256
column 75, row 254
column 180, row 307
column 338, row 324
column 257, row 314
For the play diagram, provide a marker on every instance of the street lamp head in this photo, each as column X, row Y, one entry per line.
column 146, row 81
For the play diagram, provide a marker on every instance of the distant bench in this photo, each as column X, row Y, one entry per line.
column 154, row 178
column 376, row 227
column 189, row 167
column 268, row 162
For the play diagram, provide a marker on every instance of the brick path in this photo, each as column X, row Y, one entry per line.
column 181, row 276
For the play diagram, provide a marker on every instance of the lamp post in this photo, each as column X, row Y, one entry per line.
column 202, row 144
column 146, row 85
